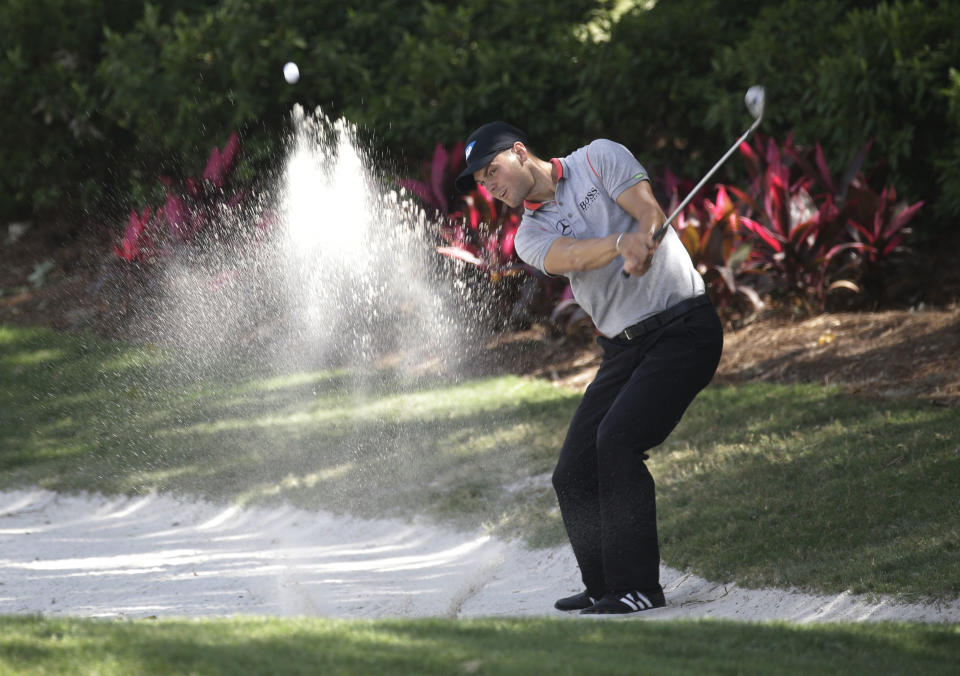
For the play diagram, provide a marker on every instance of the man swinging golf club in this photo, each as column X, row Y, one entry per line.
column 591, row 216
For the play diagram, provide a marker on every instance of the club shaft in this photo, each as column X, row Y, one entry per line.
column 662, row 230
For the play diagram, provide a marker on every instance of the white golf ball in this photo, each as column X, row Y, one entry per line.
column 290, row 72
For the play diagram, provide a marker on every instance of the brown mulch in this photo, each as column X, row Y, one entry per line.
column 61, row 300
column 896, row 353
column 914, row 354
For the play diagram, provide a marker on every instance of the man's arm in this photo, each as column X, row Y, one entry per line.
column 637, row 246
column 576, row 255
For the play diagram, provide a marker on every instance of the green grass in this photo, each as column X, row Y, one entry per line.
column 79, row 414
column 761, row 484
column 805, row 486
column 31, row 645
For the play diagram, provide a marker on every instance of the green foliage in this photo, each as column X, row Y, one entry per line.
column 175, row 84
column 886, row 81
column 52, row 134
column 947, row 163
column 398, row 70
column 60, row 147
column 100, row 98
column 649, row 84
column 856, row 73
column 468, row 63
column 779, row 49
column 141, row 90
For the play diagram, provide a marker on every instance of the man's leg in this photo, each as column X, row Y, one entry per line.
column 575, row 477
column 680, row 362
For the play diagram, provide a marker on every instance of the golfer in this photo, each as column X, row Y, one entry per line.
column 590, row 217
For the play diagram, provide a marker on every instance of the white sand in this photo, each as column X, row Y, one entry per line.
column 155, row 555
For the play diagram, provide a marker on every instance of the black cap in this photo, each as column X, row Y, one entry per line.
column 482, row 146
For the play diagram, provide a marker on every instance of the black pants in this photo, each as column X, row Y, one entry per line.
column 605, row 491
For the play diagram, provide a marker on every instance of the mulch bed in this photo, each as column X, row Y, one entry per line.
column 897, row 353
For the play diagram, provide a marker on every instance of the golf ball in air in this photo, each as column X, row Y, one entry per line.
column 290, row 72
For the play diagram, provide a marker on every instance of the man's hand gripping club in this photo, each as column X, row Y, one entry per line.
column 637, row 249
column 638, row 246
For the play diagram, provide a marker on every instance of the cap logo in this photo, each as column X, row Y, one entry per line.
column 469, row 149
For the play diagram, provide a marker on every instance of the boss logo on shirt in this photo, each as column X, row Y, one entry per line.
column 589, row 199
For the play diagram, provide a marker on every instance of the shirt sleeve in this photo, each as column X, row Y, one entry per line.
column 615, row 166
column 532, row 242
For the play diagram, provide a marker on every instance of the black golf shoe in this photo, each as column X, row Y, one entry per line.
column 576, row 602
column 622, row 603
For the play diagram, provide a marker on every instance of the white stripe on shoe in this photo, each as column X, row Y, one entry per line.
column 636, row 601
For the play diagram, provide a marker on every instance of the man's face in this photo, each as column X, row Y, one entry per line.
column 507, row 177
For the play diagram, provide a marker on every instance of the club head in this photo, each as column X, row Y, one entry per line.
column 756, row 99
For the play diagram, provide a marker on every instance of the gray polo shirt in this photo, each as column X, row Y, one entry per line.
column 591, row 179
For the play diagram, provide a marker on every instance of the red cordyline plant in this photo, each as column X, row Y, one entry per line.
column 713, row 235
column 882, row 230
column 190, row 212
column 813, row 233
column 797, row 239
column 796, row 230
column 878, row 223
column 474, row 228
column 197, row 220
column 137, row 244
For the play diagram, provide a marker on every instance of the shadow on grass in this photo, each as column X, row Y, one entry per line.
column 509, row 646
column 804, row 486
column 81, row 415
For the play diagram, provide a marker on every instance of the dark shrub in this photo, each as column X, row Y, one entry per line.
column 843, row 73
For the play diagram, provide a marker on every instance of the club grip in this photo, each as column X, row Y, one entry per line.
column 657, row 236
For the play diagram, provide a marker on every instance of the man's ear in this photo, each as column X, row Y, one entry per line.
column 521, row 151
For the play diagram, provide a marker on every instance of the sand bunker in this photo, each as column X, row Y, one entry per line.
column 96, row 556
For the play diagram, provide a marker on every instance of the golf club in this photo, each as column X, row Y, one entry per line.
column 756, row 101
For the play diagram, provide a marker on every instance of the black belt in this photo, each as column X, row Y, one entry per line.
column 662, row 318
